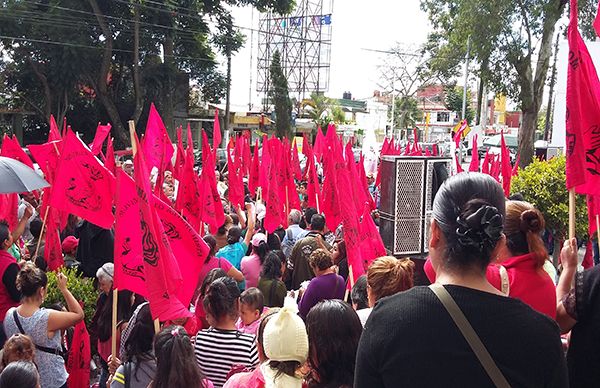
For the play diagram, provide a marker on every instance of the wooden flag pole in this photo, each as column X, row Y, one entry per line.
column 156, row 326
column 113, row 338
column 41, row 232
column 571, row 213
column 318, row 206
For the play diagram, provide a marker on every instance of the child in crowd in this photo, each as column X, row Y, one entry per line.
column 252, row 308
column 19, row 347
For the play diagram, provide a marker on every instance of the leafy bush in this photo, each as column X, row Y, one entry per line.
column 543, row 183
column 82, row 289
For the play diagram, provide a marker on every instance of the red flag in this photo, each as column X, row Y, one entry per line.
column 128, row 254
column 371, row 244
column 474, row 166
column 188, row 196
column 485, row 166
column 236, row 185
column 583, row 115
column 189, row 249
column 331, row 204
column 407, row 149
column 385, row 148
column 515, row 169
column 295, row 162
column 12, row 149
column 319, row 144
column 156, row 139
column 253, row 178
column 54, row 133
column 53, row 250
column 506, row 166
column 496, row 167
column 9, row 207
column 593, row 203
column 179, row 157
column 217, row 130
column 597, row 21
column 274, row 206
column 162, row 275
column 436, row 152
column 83, row 186
column 459, row 168
column 46, row 156
column 109, row 162
column 211, row 208
column 102, row 132
column 80, row 356
column 459, row 133
column 363, row 182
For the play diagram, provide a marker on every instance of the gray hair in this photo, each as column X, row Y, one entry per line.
column 106, row 272
column 295, row 216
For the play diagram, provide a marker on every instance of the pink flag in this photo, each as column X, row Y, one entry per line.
column 485, row 166
column 102, row 132
column 211, row 208
column 217, row 130
column 253, row 176
column 53, row 250
column 236, row 185
column 12, row 149
column 162, row 275
column 274, row 212
column 331, row 203
column 583, row 115
column 515, row 169
column 46, row 156
column 371, row 244
column 83, row 186
column 54, row 133
column 188, row 248
column 459, row 168
column 128, row 255
column 295, row 162
column 474, row 166
column 459, row 134
column 156, row 139
column 9, row 206
column 506, row 166
column 188, row 196
column 593, row 203
column 180, row 155
column 319, row 144
column 109, row 162
column 597, row 21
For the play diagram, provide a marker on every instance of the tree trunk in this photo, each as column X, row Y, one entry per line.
column 139, row 101
column 169, row 86
column 526, row 135
column 227, row 96
column 47, row 92
column 102, row 83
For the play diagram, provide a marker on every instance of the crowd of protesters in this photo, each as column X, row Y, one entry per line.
column 282, row 310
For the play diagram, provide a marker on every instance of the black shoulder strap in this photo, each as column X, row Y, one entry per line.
column 58, row 352
column 17, row 321
column 127, row 374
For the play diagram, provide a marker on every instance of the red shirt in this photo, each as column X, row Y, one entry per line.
column 6, row 302
column 529, row 284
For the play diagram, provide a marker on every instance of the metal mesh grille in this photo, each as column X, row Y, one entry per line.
column 409, row 206
column 429, row 198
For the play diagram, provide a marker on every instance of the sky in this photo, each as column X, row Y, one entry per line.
column 356, row 25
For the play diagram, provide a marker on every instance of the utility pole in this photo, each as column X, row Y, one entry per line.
column 393, row 109
column 464, row 102
column 551, row 93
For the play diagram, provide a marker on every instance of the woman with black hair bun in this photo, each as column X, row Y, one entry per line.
column 333, row 334
column 175, row 364
column 271, row 283
column 415, row 338
column 521, row 268
column 221, row 304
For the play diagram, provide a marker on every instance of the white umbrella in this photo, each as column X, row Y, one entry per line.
column 15, row 177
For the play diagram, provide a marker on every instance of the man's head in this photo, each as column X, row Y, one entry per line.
column 317, row 223
column 128, row 167
column 308, row 214
column 6, row 239
column 35, row 227
column 370, row 178
column 295, row 217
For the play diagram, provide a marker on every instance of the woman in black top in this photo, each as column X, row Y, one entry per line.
column 410, row 339
column 270, row 283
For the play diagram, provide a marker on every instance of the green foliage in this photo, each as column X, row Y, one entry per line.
column 281, row 98
column 82, row 289
column 406, row 112
column 454, row 100
column 543, row 183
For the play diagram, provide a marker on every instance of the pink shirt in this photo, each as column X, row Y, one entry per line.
column 251, row 269
column 528, row 283
column 251, row 328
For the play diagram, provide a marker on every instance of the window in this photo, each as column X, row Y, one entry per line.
column 443, row 117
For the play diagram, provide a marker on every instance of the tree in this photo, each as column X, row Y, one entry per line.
column 107, row 60
column 323, row 110
column 511, row 41
column 406, row 112
column 454, row 101
column 543, row 184
column 281, row 98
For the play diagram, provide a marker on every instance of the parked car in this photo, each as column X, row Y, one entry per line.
column 494, row 145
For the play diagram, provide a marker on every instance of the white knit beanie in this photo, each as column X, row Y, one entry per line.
column 285, row 338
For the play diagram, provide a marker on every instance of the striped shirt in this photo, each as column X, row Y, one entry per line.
column 218, row 350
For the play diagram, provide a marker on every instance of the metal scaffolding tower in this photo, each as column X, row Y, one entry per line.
column 304, row 41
